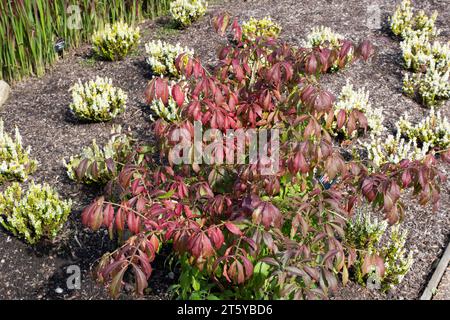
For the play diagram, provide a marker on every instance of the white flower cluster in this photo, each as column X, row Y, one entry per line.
column 324, row 37
column 433, row 86
column 404, row 23
column 419, row 53
column 393, row 149
column 35, row 214
column 364, row 231
column 15, row 162
column 162, row 56
column 366, row 235
column 97, row 100
column 430, row 61
column 433, row 130
column 171, row 112
column 349, row 100
column 185, row 12
column 115, row 41
column 118, row 147
column 397, row 260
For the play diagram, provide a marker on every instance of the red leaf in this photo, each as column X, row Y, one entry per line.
column 311, row 64
column 157, row 88
column 365, row 50
column 233, row 228
column 178, row 95
column 141, row 280
column 120, row 220
column 108, row 215
column 373, row 263
column 341, row 116
column 216, row 236
column 117, row 283
column 221, row 22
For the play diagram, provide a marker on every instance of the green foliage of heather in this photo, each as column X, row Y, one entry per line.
column 97, row 100
column 33, row 214
column 186, row 12
column 15, row 161
column 381, row 257
column 255, row 28
column 116, row 41
column 98, row 164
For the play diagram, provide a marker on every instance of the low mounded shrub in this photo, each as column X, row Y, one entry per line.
column 100, row 165
column 351, row 100
column 97, row 100
column 186, row 12
column 15, row 161
column 430, row 84
column 324, row 37
column 161, row 57
column 434, row 130
column 237, row 232
column 255, row 28
column 405, row 23
column 115, row 41
column 418, row 53
column 33, row 214
column 431, row 88
column 381, row 257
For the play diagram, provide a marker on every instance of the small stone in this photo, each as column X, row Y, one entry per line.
column 171, row 275
column 59, row 290
column 2, row 261
column 5, row 91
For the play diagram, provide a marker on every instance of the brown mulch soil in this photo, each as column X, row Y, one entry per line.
column 39, row 108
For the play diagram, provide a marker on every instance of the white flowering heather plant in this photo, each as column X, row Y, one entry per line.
column 97, row 100
column 186, row 12
column 397, row 260
column 431, row 88
column 37, row 213
column 365, row 231
column 401, row 20
column 434, row 130
column 393, row 149
column 405, row 23
column 441, row 55
column 15, row 161
column 100, row 164
column 431, row 61
column 324, row 37
column 115, row 41
column 256, row 28
column 388, row 263
column 349, row 100
column 161, row 57
column 418, row 52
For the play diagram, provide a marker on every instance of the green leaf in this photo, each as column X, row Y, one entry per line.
column 195, row 284
column 167, row 195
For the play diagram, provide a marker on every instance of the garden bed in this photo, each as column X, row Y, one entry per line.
column 39, row 107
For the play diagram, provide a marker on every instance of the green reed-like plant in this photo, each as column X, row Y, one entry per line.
column 30, row 28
